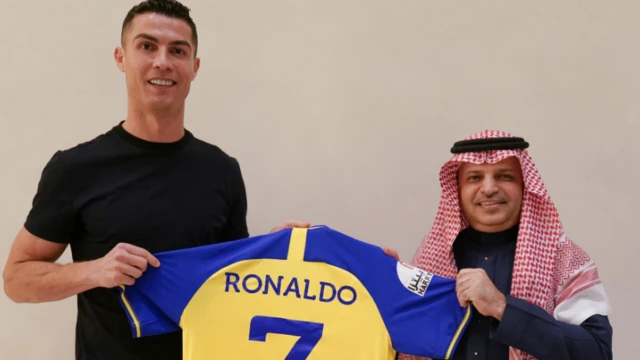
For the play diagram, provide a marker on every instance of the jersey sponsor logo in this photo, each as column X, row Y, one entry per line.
column 414, row 279
column 302, row 289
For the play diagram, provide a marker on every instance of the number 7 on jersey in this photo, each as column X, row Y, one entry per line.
column 309, row 333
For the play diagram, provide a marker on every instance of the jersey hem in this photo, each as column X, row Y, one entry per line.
column 134, row 323
column 458, row 334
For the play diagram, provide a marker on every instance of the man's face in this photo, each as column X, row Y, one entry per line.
column 491, row 194
column 158, row 60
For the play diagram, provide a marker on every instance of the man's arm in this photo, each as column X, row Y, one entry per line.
column 528, row 327
column 31, row 275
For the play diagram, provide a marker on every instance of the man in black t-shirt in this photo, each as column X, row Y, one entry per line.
column 144, row 186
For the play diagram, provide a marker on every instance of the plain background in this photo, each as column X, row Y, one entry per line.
column 342, row 112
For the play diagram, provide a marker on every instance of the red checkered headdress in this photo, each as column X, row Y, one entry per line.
column 548, row 268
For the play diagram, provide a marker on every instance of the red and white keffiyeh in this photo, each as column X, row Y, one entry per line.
column 549, row 270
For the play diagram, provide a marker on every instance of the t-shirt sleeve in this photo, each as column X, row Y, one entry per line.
column 421, row 310
column 52, row 216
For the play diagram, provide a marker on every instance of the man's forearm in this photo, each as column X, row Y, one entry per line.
column 41, row 281
column 529, row 328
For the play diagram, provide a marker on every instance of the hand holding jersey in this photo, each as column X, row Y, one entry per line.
column 290, row 224
column 121, row 266
column 391, row 252
column 125, row 262
column 474, row 286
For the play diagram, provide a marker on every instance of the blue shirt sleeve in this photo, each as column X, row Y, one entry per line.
column 155, row 303
column 528, row 327
column 145, row 318
column 420, row 310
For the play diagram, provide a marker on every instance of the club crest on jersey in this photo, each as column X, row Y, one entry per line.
column 414, row 279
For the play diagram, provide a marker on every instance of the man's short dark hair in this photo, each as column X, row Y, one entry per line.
column 169, row 8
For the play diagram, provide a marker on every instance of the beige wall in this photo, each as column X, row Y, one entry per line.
column 341, row 112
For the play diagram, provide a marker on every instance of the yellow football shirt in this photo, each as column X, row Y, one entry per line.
column 296, row 294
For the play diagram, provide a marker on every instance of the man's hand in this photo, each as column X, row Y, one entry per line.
column 290, row 224
column 122, row 265
column 475, row 286
column 391, row 252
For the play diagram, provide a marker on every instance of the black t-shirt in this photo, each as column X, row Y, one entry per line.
column 158, row 196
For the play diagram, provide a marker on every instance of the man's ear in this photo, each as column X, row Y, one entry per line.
column 118, row 55
column 196, row 67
